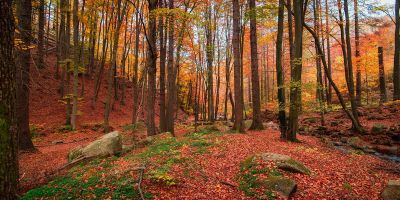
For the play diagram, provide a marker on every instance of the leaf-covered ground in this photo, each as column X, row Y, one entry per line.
column 206, row 165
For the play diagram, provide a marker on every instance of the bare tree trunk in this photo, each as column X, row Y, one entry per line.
column 296, row 70
column 135, row 89
column 151, row 67
column 357, row 46
column 257, row 122
column 279, row 71
column 328, row 52
column 238, row 125
column 396, row 60
column 382, row 81
column 163, row 56
column 350, row 66
column 40, row 59
column 170, row 75
column 8, row 120
column 320, row 85
column 210, row 59
column 76, row 65
column 24, row 10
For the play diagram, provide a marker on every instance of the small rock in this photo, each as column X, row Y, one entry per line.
column 284, row 186
column 274, row 157
column 391, row 191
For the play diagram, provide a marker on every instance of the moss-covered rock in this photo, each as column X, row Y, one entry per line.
column 392, row 190
column 284, row 186
column 294, row 166
column 285, row 163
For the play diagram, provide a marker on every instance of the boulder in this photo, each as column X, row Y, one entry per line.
column 109, row 144
column 285, row 163
column 391, row 191
column 284, row 186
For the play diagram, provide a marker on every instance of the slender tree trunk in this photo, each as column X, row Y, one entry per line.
column 135, row 89
column 238, row 125
column 357, row 46
column 24, row 10
column 350, row 65
column 279, row 71
column 396, row 60
column 170, row 72
column 40, row 59
column 382, row 80
column 257, row 122
column 8, row 120
column 76, row 65
column 328, row 52
column 151, row 67
column 210, row 59
column 163, row 56
column 296, row 70
column 320, row 85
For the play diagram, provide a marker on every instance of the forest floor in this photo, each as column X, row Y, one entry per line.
column 206, row 165
column 203, row 164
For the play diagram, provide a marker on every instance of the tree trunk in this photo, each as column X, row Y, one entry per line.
column 76, row 65
column 350, row 66
column 328, row 52
column 135, row 89
column 40, row 59
column 24, row 10
column 8, row 119
column 257, row 122
column 163, row 56
column 296, row 70
column 151, row 67
column 357, row 46
column 210, row 58
column 238, row 125
column 279, row 71
column 396, row 60
column 382, row 81
column 170, row 72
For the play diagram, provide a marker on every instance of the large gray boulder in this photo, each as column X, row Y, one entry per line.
column 392, row 190
column 285, row 163
column 109, row 144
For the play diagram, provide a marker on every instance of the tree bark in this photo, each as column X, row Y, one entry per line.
column 396, row 60
column 257, row 122
column 279, row 71
column 238, row 89
column 24, row 11
column 382, row 81
column 357, row 48
column 296, row 70
column 163, row 56
column 8, row 119
column 151, row 67
column 40, row 60
column 170, row 71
